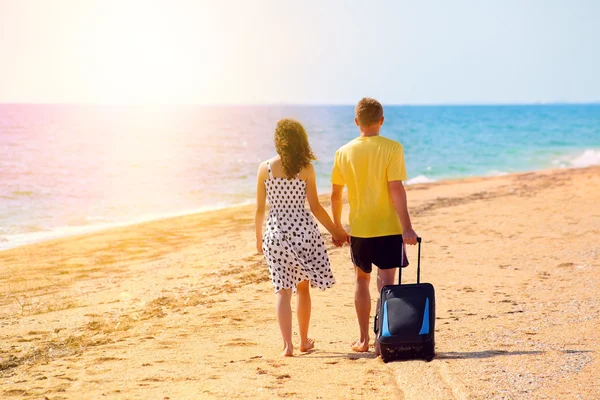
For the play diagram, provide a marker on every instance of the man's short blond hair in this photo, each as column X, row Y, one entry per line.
column 368, row 111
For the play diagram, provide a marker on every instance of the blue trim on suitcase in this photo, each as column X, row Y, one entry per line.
column 385, row 330
column 425, row 326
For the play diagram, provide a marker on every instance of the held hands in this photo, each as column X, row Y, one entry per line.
column 409, row 236
column 340, row 236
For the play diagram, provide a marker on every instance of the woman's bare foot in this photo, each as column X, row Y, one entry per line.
column 288, row 350
column 306, row 346
column 360, row 346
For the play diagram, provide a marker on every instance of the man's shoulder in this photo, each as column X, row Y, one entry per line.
column 390, row 142
column 347, row 146
column 380, row 141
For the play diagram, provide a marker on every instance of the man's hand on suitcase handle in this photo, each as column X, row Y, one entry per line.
column 409, row 236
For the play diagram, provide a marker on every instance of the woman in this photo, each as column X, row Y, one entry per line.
column 292, row 242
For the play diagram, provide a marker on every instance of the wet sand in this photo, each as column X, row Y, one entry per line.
column 183, row 308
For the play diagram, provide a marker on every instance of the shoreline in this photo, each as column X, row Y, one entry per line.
column 184, row 307
column 93, row 228
column 30, row 239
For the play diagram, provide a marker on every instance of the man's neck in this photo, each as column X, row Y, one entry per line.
column 370, row 130
column 369, row 133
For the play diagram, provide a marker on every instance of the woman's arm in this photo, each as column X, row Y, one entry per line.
column 338, row 233
column 259, row 215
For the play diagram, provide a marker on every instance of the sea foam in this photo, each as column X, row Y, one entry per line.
column 419, row 179
column 588, row 158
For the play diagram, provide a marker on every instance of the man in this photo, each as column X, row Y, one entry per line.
column 372, row 167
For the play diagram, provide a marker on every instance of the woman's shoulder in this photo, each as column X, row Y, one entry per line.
column 271, row 161
column 307, row 171
column 263, row 167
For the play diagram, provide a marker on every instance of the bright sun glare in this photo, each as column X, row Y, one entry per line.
column 149, row 54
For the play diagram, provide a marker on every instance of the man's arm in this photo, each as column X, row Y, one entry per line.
column 400, row 204
column 336, row 204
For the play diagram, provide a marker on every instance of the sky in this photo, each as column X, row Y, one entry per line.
column 301, row 52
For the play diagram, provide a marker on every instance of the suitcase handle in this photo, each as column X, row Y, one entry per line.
column 418, row 263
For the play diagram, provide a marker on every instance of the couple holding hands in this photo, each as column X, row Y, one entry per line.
column 372, row 168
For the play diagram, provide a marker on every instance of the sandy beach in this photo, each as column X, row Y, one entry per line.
column 183, row 308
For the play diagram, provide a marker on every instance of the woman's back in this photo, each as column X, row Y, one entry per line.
column 283, row 193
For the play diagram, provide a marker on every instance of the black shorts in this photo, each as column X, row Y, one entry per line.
column 385, row 252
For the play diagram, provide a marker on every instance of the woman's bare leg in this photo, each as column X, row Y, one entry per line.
column 284, row 318
column 303, row 307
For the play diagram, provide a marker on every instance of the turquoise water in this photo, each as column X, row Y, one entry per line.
column 72, row 169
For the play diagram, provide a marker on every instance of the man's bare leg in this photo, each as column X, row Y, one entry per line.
column 384, row 277
column 362, row 303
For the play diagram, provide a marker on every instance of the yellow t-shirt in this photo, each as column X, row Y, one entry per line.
column 366, row 165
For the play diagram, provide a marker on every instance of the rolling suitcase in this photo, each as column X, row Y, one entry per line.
column 405, row 322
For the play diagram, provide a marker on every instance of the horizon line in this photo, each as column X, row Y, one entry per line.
column 300, row 104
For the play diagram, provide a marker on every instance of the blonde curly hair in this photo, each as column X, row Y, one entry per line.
column 291, row 143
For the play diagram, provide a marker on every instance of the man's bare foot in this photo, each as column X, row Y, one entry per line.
column 360, row 346
column 288, row 351
column 308, row 345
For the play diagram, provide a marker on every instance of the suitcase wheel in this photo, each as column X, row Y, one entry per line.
column 386, row 355
column 429, row 351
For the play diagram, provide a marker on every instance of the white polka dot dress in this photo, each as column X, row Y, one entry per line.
column 292, row 242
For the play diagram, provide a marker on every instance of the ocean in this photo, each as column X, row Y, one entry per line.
column 72, row 169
